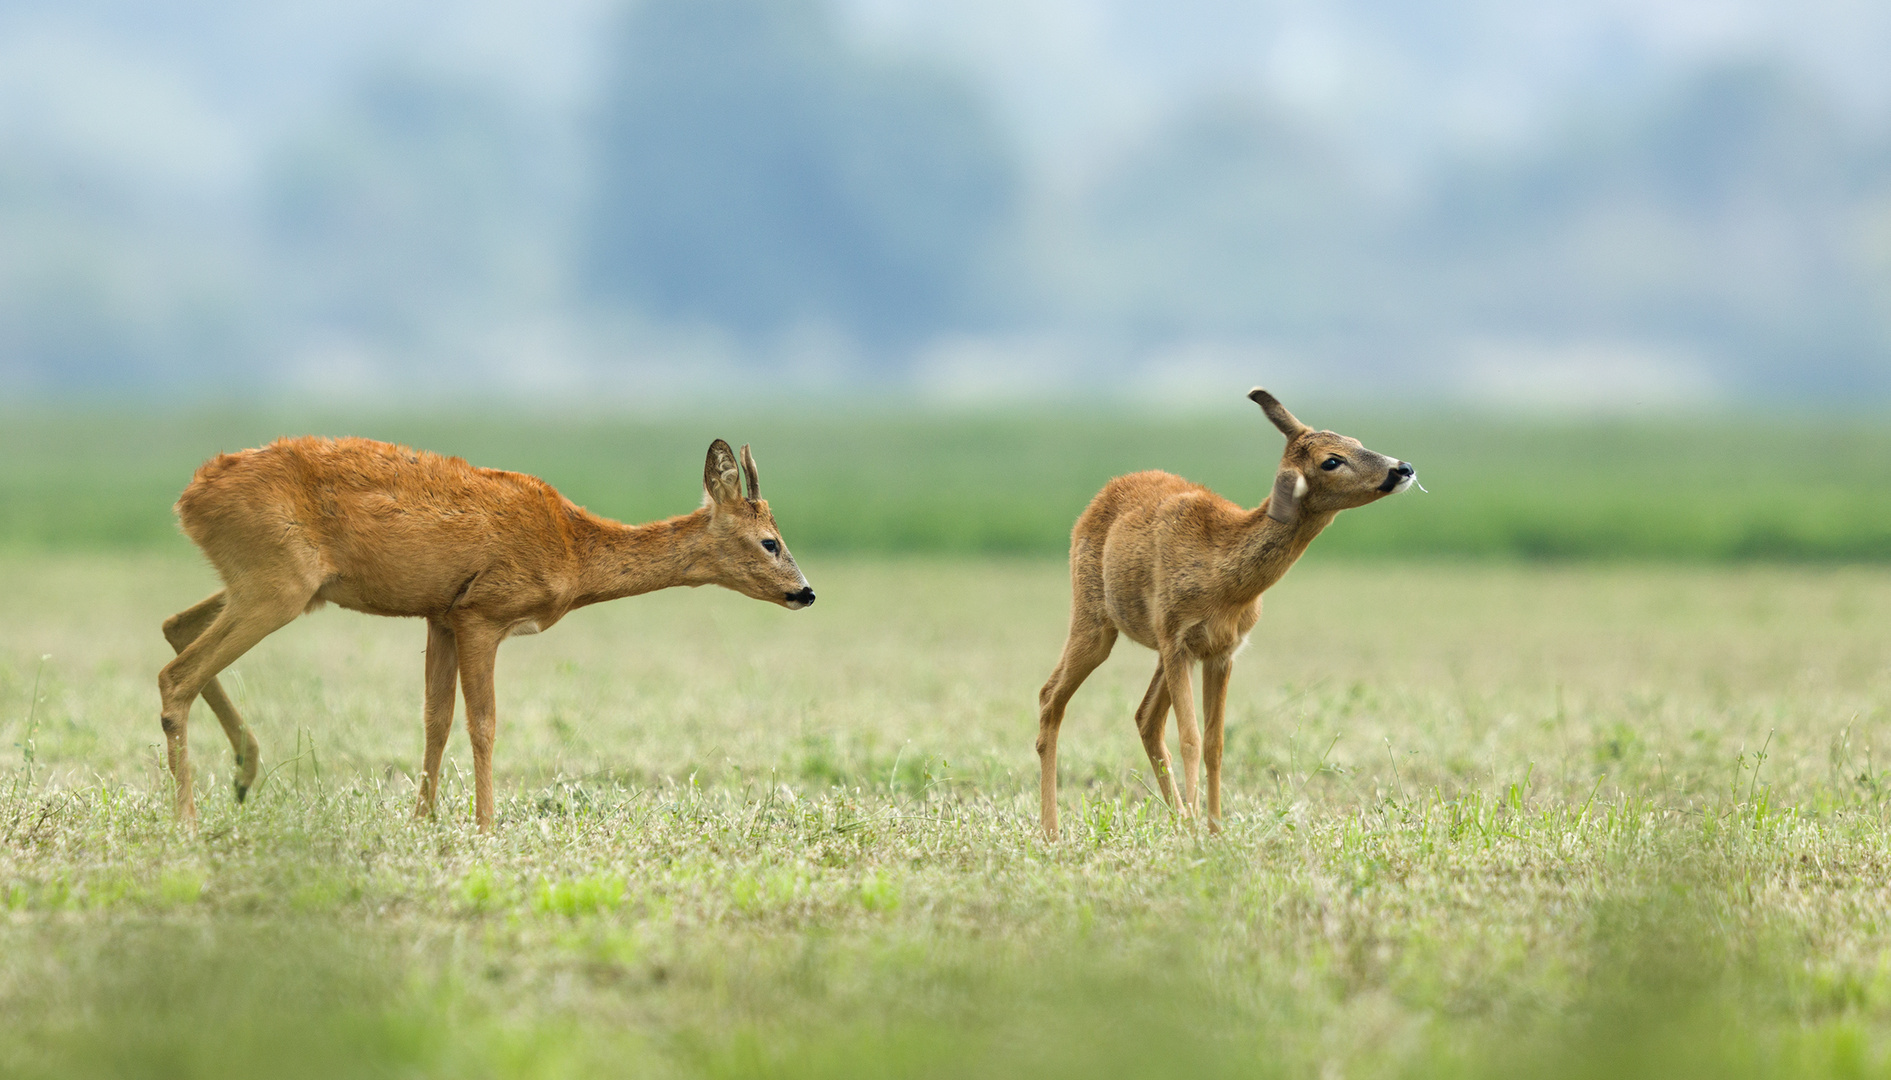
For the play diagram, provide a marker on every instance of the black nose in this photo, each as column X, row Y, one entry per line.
column 1405, row 469
column 804, row 597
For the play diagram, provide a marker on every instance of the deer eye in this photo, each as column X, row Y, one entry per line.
column 1332, row 463
column 771, row 547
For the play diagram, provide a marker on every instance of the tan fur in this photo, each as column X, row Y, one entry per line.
column 479, row 553
column 1177, row 568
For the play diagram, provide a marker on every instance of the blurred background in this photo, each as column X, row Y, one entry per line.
column 1601, row 268
column 1575, row 203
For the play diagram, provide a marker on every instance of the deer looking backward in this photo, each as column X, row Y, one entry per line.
column 479, row 553
column 1181, row 570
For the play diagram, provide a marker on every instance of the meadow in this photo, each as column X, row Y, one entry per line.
column 1569, row 769
column 1782, row 487
column 1562, row 821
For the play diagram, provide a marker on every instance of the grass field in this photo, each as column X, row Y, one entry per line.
column 1731, row 488
column 1502, row 820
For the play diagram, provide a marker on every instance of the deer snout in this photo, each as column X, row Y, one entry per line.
column 1399, row 477
column 798, row 600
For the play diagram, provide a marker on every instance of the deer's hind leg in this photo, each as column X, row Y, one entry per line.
column 443, row 665
column 1176, row 665
column 245, row 618
column 1152, row 722
column 1089, row 645
column 180, row 630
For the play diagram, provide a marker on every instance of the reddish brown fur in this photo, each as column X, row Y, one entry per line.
column 479, row 553
column 1177, row 568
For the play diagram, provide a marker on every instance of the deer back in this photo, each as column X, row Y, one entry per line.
column 383, row 528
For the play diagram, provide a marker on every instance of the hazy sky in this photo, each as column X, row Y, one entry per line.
column 1404, row 74
column 194, row 89
column 132, row 131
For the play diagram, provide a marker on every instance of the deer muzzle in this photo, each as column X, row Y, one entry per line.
column 1398, row 478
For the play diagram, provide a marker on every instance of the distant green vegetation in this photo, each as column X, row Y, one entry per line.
column 861, row 479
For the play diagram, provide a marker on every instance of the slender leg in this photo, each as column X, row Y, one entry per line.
column 1089, row 644
column 443, row 664
column 180, row 630
column 244, row 621
column 1176, row 666
column 478, row 647
column 1152, row 721
column 1215, row 672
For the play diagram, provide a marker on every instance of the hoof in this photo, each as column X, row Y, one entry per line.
column 248, row 765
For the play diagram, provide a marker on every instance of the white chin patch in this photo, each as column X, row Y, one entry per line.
column 1299, row 486
column 793, row 605
column 1404, row 484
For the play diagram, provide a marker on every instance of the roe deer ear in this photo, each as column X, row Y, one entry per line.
column 719, row 475
column 1277, row 413
column 749, row 474
column 1289, row 488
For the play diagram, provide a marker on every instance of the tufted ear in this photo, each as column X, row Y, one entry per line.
column 719, row 475
column 1277, row 413
column 1289, row 488
column 750, row 475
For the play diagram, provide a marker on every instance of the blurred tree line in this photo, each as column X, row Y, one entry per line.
column 748, row 167
column 753, row 171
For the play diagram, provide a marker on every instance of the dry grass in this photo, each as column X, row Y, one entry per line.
column 1482, row 821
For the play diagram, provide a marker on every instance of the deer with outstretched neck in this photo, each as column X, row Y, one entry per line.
column 480, row 554
column 1177, row 568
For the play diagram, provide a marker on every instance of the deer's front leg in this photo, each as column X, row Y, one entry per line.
column 1176, row 665
column 443, row 666
column 1215, row 672
column 478, row 648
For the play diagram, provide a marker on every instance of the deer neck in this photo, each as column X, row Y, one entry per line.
column 627, row 560
column 1269, row 548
